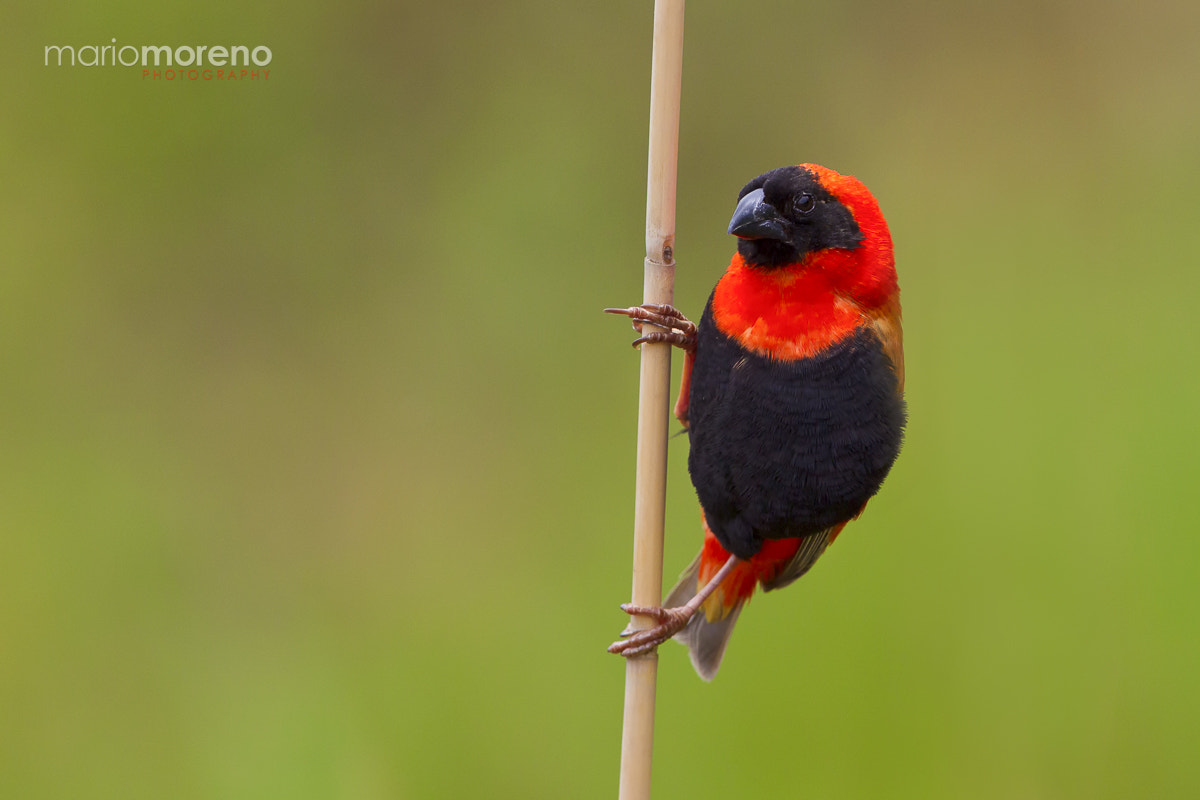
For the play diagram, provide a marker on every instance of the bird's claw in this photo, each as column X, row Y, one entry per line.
column 670, row 622
column 676, row 328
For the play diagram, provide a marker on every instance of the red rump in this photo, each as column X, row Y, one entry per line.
column 739, row 587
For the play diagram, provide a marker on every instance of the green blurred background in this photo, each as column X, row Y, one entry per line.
column 316, row 454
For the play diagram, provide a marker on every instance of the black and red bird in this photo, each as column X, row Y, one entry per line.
column 792, row 396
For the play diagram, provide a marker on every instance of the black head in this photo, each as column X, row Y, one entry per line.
column 785, row 214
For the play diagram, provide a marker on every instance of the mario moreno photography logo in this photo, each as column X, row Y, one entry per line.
column 204, row 62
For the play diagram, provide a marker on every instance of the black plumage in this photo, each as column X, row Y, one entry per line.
column 788, row 448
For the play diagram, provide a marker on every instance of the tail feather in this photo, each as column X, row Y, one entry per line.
column 705, row 639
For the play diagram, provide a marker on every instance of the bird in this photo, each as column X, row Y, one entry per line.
column 792, row 397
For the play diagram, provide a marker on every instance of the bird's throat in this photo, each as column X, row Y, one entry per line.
column 787, row 313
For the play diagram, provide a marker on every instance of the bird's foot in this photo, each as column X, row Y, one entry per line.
column 670, row 622
column 676, row 328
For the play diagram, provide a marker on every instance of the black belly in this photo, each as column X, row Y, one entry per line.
column 784, row 449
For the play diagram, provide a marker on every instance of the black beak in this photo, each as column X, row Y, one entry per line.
column 755, row 218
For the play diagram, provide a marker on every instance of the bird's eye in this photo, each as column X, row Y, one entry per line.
column 803, row 204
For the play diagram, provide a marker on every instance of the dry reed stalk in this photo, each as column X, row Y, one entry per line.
column 641, row 672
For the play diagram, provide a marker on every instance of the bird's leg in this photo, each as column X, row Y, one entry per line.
column 670, row 620
column 676, row 328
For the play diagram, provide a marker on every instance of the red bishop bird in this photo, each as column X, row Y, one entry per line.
column 792, row 397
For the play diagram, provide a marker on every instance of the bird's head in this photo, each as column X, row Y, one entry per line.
column 786, row 215
column 814, row 260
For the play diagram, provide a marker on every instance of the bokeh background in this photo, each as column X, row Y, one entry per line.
column 316, row 454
